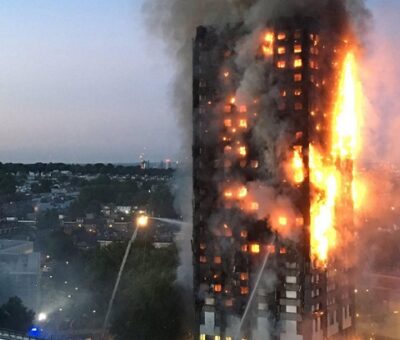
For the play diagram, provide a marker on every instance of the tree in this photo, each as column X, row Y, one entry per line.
column 149, row 296
column 48, row 219
column 15, row 316
column 7, row 184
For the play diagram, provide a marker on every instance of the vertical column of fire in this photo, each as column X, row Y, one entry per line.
column 332, row 170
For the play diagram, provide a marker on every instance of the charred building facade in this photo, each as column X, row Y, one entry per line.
column 254, row 125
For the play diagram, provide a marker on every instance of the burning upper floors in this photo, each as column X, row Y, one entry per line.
column 272, row 177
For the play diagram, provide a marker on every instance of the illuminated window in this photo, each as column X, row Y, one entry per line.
column 243, row 123
column 217, row 260
column 228, row 122
column 298, row 106
column 217, row 288
column 281, row 64
column 282, row 251
column 299, row 135
column 228, row 338
column 203, row 259
column 243, row 233
column 228, row 194
column 299, row 221
column 244, row 276
column 202, row 337
column 281, row 50
column 202, row 246
column 217, row 337
column 244, row 290
column 283, row 93
column 242, row 151
column 271, row 248
column 297, row 92
column 244, row 247
column 243, row 108
column 254, row 164
column 297, row 48
column 298, row 62
column 281, row 36
column 227, row 108
column 255, row 248
column 297, row 77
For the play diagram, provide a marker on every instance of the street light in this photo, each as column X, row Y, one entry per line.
column 42, row 317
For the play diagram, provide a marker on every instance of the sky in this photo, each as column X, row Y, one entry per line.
column 83, row 81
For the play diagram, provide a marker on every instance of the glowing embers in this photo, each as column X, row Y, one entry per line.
column 268, row 44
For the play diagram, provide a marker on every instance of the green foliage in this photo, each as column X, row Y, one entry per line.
column 48, row 219
column 15, row 316
column 161, row 202
column 91, row 169
column 148, row 294
column 7, row 184
column 43, row 186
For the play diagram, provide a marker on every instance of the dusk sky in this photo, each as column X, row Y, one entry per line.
column 83, row 81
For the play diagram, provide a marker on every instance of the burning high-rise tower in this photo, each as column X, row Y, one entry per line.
column 275, row 122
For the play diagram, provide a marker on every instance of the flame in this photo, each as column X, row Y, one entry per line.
column 268, row 44
column 242, row 193
column 297, row 165
column 346, row 112
column 242, row 151
column 329, row 170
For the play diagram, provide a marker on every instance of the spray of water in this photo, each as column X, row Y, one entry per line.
column 121, row 270
column 171, row 221
column 253, row 293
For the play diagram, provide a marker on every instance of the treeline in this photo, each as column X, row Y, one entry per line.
column 154, row 195
column 89, row 169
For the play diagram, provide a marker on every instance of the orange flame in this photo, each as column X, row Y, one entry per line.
column 297, row 165
column 327, row 169
column 268, row 44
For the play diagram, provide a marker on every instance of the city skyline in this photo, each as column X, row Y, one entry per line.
column 87, row 82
